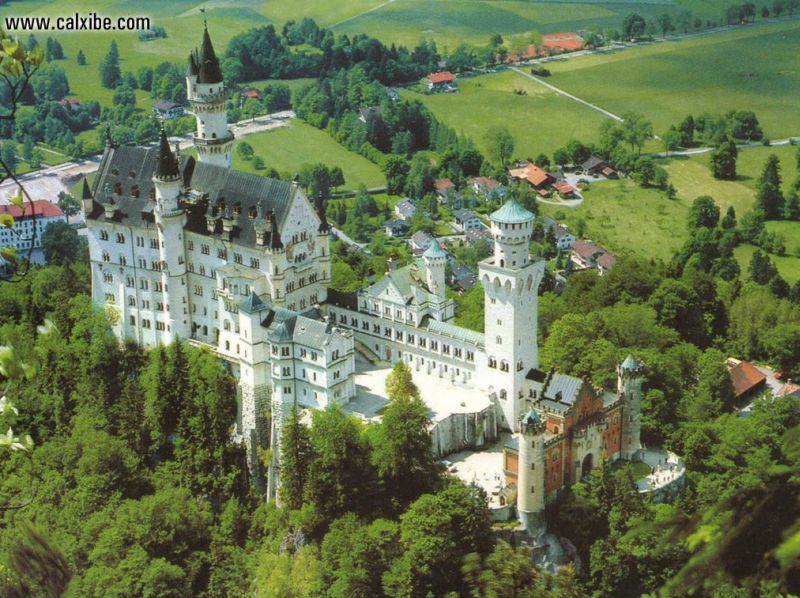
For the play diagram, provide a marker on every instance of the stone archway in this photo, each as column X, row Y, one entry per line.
column 586, row 466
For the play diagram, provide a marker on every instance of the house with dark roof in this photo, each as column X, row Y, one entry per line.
column 420, row 241
column 168, row 110
column 565, row 240
column 474, row 235
column 465, row 220
column 396, row 227
column 461, row 278
column 405, row 209
column 598, row 167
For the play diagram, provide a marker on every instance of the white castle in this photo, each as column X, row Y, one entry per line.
column 240, row 264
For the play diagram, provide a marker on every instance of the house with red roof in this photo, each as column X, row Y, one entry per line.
column 565, row 41
column 29, row 224
column 587, row 255
column 251, row 94
column 442, row 81
column 538, row 178
column 747, row 379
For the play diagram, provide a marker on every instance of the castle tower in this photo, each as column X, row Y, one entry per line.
column 629, row 388
column 324, row 259
column 530, row 473
column 435, row 259
column 206, row 93
column 510, row 282
column 170, row 220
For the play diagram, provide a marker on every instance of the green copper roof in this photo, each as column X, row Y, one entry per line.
column 434, row 250
column 630, row 363
column 531, row 418
column 511, row 213
column 252, row 304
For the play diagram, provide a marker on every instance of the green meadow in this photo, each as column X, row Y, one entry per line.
column 540, row 121
column 751, row 68
column 288, row 148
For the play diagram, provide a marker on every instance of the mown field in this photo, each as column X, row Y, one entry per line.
column 540, row 120
column 753, row 68
column 288, row 148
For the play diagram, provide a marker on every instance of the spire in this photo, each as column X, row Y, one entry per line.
column 192, row 69
column 274, row 236
column 209, row 71
column 167, row 166
column 324, row 227
column 87, row 193
column 109, row 140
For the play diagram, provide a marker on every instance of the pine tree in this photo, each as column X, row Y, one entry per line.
column 81, row 58
column 723, row 159
column 769, row 197
column 791, row 209
column 110, row 74
column 295, row 455
column 729, row 220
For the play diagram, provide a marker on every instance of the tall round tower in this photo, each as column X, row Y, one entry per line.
column 510, row 282
column 531, row 473
column 170, row 220
column 206, row 93
column 435, row 259
column 630, row 374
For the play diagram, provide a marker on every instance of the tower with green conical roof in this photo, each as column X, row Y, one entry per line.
column 510, row 280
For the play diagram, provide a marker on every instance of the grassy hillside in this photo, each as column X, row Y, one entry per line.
column 754, row 68
column 540, row 121
column 288, row 148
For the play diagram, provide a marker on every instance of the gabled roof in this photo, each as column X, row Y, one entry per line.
column 790, row 389
column 252, row 304
column 511, row 213
column 464, row 214
column 421, row 238
column 443, row 77
column 563, row 388
column 41, row 209
column 443, row 184
column 485, row 183
column 745, row 378
column 165, row 106
column 594, row 162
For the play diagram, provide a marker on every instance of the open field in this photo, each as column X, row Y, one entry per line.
column 692, row 177
column 628, row 220
column 752, row 68
column 288, row 148
column 540, row 121
column 788, row 266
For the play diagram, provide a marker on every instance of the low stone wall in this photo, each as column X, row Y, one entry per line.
column 461, row 431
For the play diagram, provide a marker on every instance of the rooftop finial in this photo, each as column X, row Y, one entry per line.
column 109, row 140
column 205, row 18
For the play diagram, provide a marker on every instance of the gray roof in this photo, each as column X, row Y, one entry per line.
column 406, row 207
column 421, row 238
column 457, row 332
column 409, row 282
column 312, row 333
column 563, row 388
column 511, row 213
column 212, row 191
column 464, row 214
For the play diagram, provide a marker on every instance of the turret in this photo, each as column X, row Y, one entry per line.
column 206, row 93
column 435, row 259
column 86, row 198
column 630, row 374
column 167, row 179
column 531, row 473
column 512, row 226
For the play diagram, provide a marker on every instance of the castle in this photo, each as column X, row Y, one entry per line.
column 185, row 248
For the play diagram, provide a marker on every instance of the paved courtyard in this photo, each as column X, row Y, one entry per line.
column 483, row 468
column 665, row 466
column 442, row 396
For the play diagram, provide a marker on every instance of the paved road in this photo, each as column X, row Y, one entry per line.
column 704, row 150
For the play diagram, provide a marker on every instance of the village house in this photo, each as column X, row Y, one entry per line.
column 29, row 224
column 538, row 178
column 467, row 220
column 442, row 81
column 746, row 378
column 558, row 43
column 168, row 110
column 405, row 209
column 790, row 389
column 487, row 189
column 251, row 94
column 445, row 189
column 565, row 240
column 587, row 255
column 420, row 241
column 595, row 166
column 474, row 235
column 396, row 228
column 461, row 278
column 564, row 189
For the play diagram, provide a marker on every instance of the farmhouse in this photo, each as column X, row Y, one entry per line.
column 564, row 189
column 442, row 81
column 251, row 94
column 168, row 110
column 538, row 178
column 588, row 255
column 556, row 43
column 746, row 378
column 598, row 167
column 487, row 188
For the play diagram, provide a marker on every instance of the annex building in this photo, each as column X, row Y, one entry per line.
column 185, row 248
